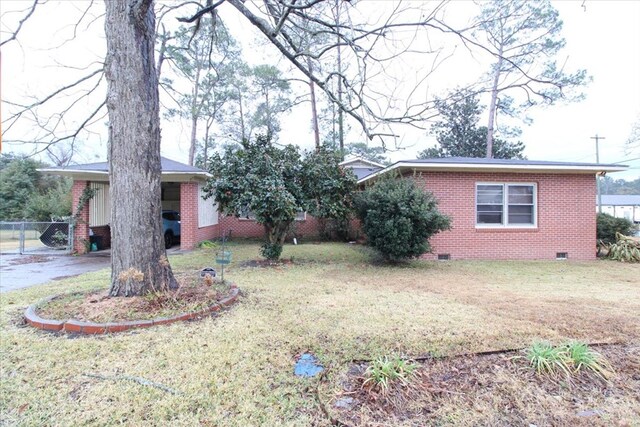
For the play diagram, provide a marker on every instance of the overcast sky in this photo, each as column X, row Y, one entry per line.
column 602, row 36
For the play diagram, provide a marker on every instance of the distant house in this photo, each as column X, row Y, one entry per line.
column 622, row 206
column 509, row 209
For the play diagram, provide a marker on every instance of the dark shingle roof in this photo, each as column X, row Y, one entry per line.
column 167, row 165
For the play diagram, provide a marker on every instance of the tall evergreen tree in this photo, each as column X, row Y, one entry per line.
column 458, row 134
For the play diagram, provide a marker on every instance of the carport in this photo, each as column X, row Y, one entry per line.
column 182, row 190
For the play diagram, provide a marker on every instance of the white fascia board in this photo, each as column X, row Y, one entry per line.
column 475, row 167
column 103, row 176
column 360, row 159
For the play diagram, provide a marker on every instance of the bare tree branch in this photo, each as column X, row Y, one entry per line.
column 208, row 9
column 20, row 23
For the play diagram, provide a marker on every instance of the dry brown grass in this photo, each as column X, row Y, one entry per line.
column 236, row 369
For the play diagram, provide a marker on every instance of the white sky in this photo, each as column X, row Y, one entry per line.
column 602, row 36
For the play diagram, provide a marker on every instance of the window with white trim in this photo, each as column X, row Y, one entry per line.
column 506, row 204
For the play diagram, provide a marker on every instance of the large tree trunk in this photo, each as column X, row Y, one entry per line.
column 138, row 258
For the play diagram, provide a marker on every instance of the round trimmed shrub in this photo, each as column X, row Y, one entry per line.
column 398, row 218
column 271, row 251
column 608, row 226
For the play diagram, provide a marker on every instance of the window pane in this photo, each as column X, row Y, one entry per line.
column 489, row 214
column 489, row 204
column 489, row 218
column 520, row 214
column 521, row 194
column 489, row 194
column 489, row 208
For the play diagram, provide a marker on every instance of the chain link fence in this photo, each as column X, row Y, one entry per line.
column 50, row 238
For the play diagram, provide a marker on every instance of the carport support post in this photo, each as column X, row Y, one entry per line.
column 72, row 230
column 81, row 220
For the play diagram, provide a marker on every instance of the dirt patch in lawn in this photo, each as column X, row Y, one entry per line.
column 96, row 306
column 498, row 390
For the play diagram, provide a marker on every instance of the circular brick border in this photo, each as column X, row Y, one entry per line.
column 90, row 328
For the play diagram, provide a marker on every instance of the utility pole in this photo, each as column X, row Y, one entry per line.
column 598, row 138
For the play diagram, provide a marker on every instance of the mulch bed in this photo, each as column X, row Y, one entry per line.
column 497, row 389
column 97, row 306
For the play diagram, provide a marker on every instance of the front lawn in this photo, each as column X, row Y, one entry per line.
column 237, row 368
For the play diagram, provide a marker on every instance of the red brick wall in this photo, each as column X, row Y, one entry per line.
column 566, row 217
column 81, row 230
column 190, row 233
column 242, row 228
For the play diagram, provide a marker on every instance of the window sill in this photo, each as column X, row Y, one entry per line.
column 251, row 219
column 506, row 229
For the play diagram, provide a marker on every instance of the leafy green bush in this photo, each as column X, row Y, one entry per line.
column 608, row 226
column 271, row 251
column 273, row 184
column 398, row 218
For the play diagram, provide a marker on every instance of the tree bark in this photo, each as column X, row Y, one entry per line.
column 492, row 106
column 241, row 112
column 195, row 113
column 314, row 108
column 138, row 262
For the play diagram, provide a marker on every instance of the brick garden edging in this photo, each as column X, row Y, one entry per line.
column 77, row 327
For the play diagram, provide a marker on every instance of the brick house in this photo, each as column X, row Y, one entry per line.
column 182, row 190
column 500, row 209
column 509, row 209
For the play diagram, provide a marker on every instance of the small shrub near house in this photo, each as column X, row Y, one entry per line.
column 398, row 218
column 608, row 226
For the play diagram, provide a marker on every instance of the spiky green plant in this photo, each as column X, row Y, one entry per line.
column 547, row 359
column 581, row 357
column 384, row 371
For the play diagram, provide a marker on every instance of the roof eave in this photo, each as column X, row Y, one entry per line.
column 363, row 160
column 469, row 167
column 103, row 176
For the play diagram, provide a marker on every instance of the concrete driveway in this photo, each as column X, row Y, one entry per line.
column 22, row 271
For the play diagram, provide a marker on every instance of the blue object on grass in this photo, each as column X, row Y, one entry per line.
column 307, row 366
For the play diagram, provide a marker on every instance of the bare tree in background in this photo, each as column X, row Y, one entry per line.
column 208, row 60
column 525, row 38
column 632, row 145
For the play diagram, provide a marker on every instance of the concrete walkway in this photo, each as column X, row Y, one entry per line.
column 22, row 271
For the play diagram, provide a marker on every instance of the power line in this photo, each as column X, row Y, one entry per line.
column 627, row 160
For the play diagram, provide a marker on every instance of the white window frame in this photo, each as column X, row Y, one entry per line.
column 505, row 205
